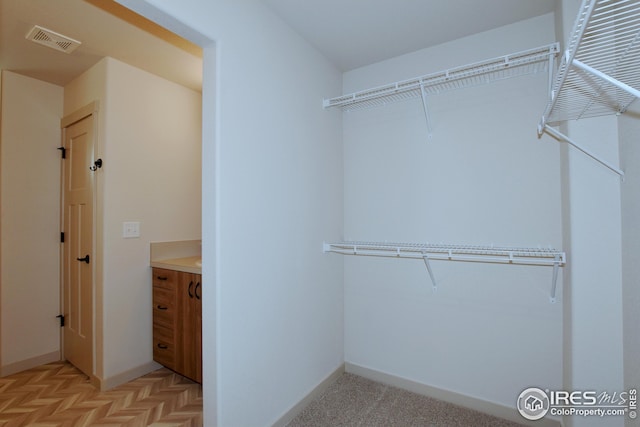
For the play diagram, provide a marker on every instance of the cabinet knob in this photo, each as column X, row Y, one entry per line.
column 162, row 307
column 163, row 346
column 196, row 291
column 189, row 290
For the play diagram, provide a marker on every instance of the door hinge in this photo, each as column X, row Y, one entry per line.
column 62, row 237
column 64, row 152
column 61, row 317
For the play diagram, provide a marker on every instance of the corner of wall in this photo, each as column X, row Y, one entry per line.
column 29, row 160
column 1, row 121
column 629, row 127
column 104, row 384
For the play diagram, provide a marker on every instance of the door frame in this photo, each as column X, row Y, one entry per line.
column 90, row 109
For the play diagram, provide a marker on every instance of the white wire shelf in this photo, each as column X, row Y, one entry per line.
column 605, row 38
column 599, row 72
column 494, row 254
column 500, row 68
column 428, row 252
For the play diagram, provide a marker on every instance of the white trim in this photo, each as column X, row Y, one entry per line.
column 313, row 394
column 489, row 408
column 124, row 377
column 81, row 113
column 33, row 362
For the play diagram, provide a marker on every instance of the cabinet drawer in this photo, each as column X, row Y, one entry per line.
column 163, row 334
column 164, row 348
column 167, row 324
column 164, row 307
column 163, row 278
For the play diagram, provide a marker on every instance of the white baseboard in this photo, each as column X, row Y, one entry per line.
column 124, row 377
column 99, row 383
column 23, row 365
column 490, row 408
column 313, row 394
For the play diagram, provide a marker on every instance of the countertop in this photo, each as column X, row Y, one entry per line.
column 186, row 264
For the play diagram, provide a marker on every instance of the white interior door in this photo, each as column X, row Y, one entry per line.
column 78, row 245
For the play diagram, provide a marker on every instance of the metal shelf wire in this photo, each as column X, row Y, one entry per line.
column 517, row 64
column 598, row 74
column 494, row 254
column 447, row 252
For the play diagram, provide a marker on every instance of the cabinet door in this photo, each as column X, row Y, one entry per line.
column 197, row 327
column 190, row 324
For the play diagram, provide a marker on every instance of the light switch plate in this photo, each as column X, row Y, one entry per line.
column 130, row 229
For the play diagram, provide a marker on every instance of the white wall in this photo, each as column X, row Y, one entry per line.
column 628, row 131
column 593, row 309
column 278, row 195
column 490, row 331
column 150, row 141
column 594, row 252
column 30, row 221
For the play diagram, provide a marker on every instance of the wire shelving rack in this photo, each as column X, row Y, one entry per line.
column 526, row 62
column 447, row 252
column 599, row 73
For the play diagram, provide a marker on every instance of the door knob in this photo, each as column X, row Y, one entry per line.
column 96, row 165
column 85, row 259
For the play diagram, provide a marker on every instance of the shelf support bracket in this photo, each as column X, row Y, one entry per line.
column 554, row 280
column 423, row 92
column 425, row 257
column 562, row 137
column 552, row 57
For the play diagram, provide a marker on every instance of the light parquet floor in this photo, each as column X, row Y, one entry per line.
column 59, row 395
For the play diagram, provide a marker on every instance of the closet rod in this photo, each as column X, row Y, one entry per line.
column 603, row 76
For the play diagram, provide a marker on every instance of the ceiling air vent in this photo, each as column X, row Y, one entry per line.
column 52, row 39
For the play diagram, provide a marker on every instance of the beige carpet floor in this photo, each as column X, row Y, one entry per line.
column 353, row 401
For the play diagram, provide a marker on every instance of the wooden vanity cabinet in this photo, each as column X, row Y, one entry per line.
column 177, row 321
